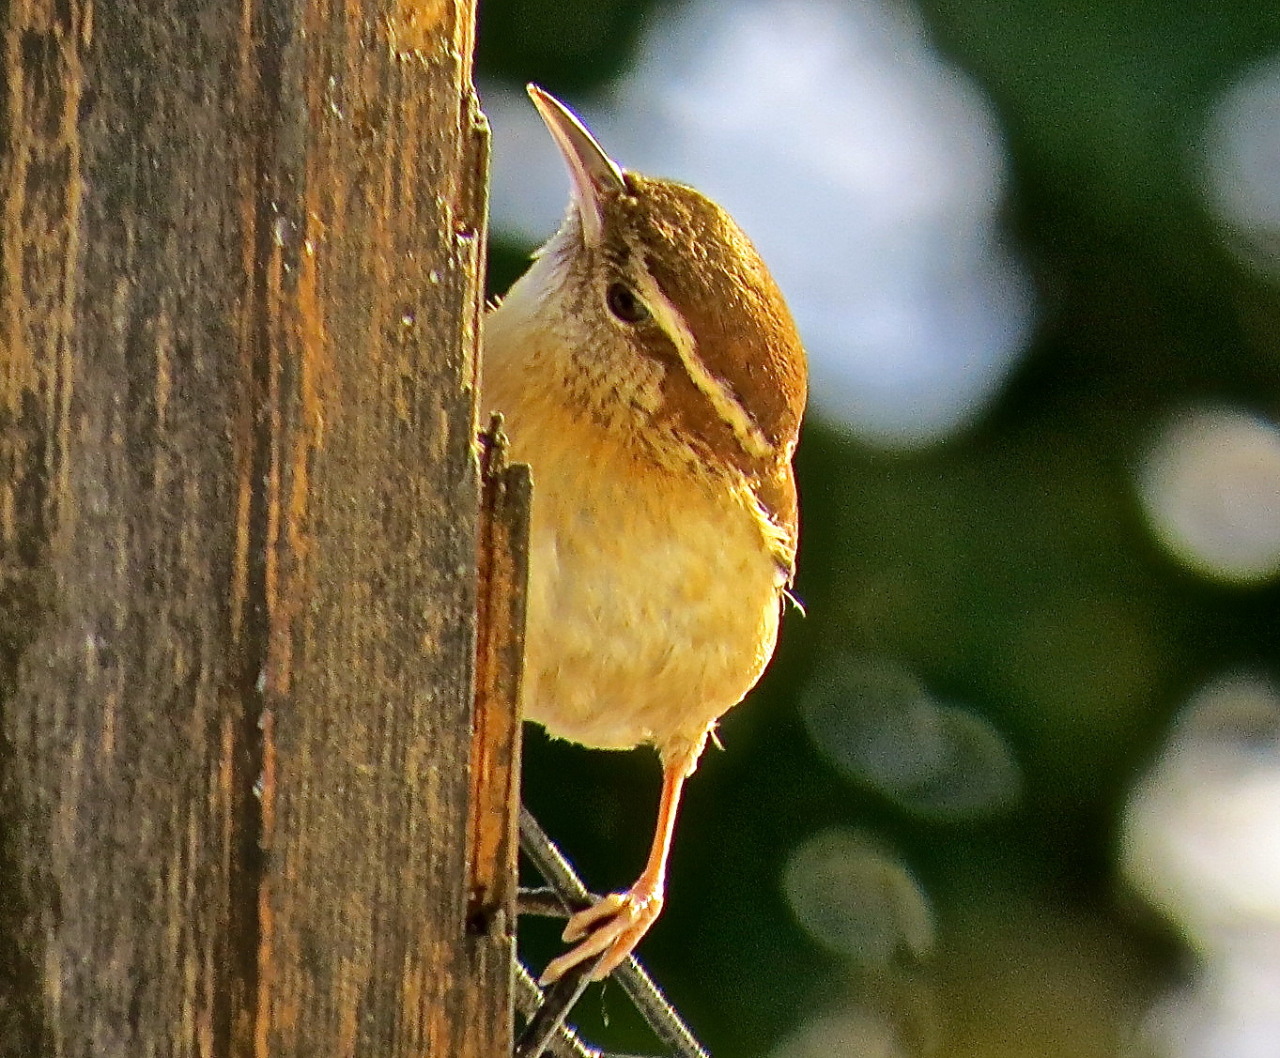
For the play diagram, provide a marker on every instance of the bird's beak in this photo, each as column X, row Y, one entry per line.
column 594, row 174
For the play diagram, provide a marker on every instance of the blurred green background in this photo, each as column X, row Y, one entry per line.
column 1008, row 570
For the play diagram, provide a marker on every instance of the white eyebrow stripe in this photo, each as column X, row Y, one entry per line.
column 727, row 406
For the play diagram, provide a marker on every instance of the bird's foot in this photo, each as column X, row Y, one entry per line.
column 612, row 926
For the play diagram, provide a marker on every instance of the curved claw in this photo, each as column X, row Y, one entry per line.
column 613, row 926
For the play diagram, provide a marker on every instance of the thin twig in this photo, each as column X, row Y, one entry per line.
column 541, row 900
column 545, row 1029
column 661, row 1016
column 566, row 1043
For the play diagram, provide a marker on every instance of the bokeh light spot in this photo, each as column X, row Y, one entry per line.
column 852, row 1033
column 854, row 900
column 879, row 726
column 1242, row 160
column 1211, row 489
column 1201, row 842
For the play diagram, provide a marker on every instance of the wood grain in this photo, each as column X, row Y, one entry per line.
column 239, row 321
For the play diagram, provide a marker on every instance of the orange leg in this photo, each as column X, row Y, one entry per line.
column 615, row 924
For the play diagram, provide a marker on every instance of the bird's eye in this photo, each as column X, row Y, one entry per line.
column 624, row 304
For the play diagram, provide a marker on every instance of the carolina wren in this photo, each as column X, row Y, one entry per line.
column 651, row 375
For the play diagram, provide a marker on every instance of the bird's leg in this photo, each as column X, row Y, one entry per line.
column 615, row 924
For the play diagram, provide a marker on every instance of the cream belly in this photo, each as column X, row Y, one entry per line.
column 653, row 602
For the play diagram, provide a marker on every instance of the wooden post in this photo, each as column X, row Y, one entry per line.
column 239, row 315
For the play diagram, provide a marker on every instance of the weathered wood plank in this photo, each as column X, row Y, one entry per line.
column 239, row 316
column 371, row 304
column 127, row 816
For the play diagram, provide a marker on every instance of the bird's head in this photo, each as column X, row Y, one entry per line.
column 672, row 323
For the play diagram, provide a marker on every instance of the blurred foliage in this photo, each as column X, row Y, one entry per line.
column 1009, row 569
column 565, row 45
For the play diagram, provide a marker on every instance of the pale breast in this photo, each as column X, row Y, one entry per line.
column 653, row 602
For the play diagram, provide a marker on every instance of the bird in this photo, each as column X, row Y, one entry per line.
column 651, row 375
